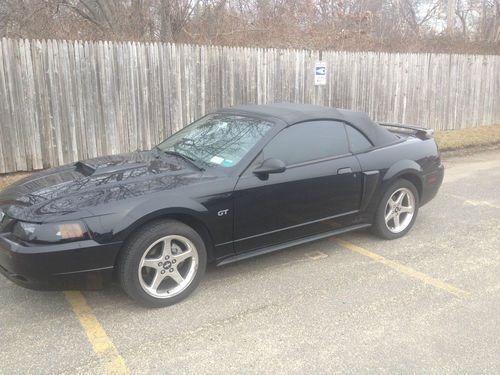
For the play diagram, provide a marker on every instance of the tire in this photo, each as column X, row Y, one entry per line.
column 403, row 213
column 162, row 263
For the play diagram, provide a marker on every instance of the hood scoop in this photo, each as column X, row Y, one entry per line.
column 84, row 168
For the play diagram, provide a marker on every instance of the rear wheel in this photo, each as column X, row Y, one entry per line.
column 162, row 263
column 397, row 210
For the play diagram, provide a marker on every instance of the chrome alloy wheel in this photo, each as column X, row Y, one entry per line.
column 399, row 210
column 168, row 266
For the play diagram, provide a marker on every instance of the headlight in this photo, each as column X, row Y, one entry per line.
column 50, row 233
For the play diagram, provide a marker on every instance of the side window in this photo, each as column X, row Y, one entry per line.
column 358, row 141
column 308, row 141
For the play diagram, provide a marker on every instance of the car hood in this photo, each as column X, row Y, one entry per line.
column 85, row 184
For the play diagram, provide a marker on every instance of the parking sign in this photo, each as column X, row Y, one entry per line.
column 320, row 73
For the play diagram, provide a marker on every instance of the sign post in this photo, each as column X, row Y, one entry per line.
column 320, row 73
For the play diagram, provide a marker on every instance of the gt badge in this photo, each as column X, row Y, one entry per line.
column 222, row 212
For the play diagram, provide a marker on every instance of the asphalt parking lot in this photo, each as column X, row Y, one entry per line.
column 428, row 303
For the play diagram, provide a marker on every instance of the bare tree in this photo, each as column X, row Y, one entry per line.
column 390, row 25
column 173, row 17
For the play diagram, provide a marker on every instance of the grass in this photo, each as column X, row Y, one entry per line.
column 465, row 138
column 6, row 180
column 448, row 140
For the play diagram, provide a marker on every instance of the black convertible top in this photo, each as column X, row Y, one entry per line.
column 291, row 113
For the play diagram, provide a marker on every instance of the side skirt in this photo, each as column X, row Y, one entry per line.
column 281, row 246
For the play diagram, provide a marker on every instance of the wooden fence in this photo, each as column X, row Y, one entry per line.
column 63, row 101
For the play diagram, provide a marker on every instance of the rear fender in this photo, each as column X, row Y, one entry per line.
column 398, row 169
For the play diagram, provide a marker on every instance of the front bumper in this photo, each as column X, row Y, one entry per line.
column 76, row 265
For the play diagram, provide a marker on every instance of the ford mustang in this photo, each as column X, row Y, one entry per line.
column 237, row 183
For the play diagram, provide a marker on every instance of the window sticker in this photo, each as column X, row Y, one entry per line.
column 217, row 160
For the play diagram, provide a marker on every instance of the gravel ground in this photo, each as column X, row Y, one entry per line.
column 318, row 308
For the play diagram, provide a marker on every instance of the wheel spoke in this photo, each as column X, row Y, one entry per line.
column 166, row 249
column 157, row 279
column 389, row 216
column 396, row 221
column 183, row 256
column 151, row 263
column 176, row 276
column 407, row 209
column 392, row 203
column 401, row 196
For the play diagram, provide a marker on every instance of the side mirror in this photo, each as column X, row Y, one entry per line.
column 270, row 166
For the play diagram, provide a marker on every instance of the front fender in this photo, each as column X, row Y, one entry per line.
column 117, row 226
column 150, row 210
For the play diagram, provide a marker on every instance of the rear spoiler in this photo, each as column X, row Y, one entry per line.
column 422, row 133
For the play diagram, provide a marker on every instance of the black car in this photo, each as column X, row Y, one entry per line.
column 237, row 183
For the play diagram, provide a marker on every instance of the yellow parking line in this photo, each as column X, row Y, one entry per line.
column 403, row 269
column 472, row 202
column 112, row 361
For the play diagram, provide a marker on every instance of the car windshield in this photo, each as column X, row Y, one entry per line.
column 217, row 140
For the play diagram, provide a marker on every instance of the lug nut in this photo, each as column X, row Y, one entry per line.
column 173, row 261
column 171, row 270
column 160, row 264
column 162, row 271
column 167, row 257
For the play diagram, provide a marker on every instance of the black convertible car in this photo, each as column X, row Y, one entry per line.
column 237, row 183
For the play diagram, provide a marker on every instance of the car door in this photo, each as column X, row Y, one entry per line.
column 320, row 189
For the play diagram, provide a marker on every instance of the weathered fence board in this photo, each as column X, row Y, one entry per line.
column 62, row 101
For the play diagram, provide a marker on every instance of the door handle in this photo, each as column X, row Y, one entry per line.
column 344, row 170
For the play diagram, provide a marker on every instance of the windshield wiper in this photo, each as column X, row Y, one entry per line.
column 185, row 158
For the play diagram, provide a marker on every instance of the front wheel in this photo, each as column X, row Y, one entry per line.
column 162, row 263
column 397, row 210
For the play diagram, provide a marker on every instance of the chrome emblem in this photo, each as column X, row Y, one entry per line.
column 222, row 212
